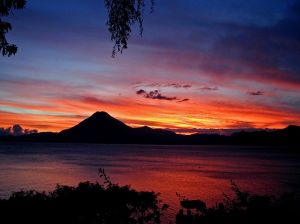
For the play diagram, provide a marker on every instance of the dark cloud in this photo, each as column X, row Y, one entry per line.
column 209, row 88
column 155, row 94
column 175, row 85
column 183, row 100
column 255, row 93
column 140, row 92
column 16, row 130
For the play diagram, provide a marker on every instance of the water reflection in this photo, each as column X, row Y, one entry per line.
column 195, row 172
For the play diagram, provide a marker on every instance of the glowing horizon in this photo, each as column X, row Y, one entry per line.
column 231, row 66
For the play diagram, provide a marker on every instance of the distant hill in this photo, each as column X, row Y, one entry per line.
column 289, row 135
column 103, row 128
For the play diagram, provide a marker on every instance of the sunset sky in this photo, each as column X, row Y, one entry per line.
column 200, row 64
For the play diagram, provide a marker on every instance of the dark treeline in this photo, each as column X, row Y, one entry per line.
column 94, row 203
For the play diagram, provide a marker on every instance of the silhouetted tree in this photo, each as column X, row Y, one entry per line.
column 6, row 7
column 122, row 14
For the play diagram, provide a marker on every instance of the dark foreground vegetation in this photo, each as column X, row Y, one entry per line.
column 94, row 203
column 88, row 203
column 242, row 208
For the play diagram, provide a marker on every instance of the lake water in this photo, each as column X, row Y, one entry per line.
column 202, row 172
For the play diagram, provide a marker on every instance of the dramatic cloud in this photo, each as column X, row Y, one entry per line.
column 255, row 93
column 223, row 50
column 16, row 130
column 155, row 94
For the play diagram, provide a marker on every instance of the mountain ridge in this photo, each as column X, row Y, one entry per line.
column 103, row 128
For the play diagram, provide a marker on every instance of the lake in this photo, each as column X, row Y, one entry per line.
column 201, row 172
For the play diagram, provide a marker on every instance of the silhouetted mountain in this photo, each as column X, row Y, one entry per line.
column 102, row 128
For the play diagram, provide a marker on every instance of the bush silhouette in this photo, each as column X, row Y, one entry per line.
column 88, row 203
column 244, row 208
